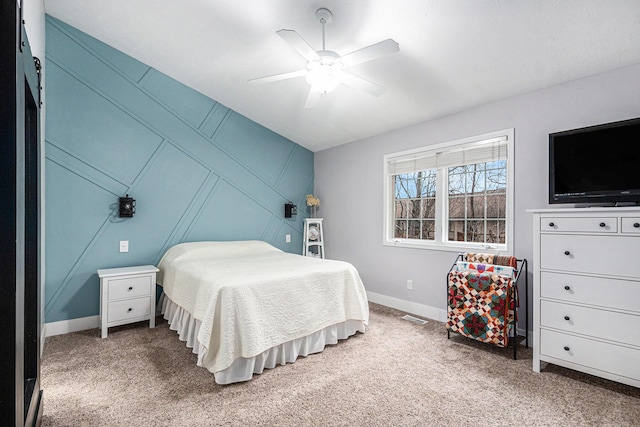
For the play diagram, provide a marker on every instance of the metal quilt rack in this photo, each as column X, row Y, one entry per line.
column 521, row 265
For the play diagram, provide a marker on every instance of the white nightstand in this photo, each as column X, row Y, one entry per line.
column 127, row 295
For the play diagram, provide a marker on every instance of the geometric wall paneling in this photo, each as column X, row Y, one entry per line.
column 125, row 64
column 90, row 172
column 72, row 228
column 165, row 191
column 100, row 129
column 197, row 170
column 284, row 228
column 272, row 231
column 214, row 119
column 236, row 215
column 182, row 100
column 106, row 82
column 295, row 178
column 261, row 150
column 159, row 193
column 182, row 227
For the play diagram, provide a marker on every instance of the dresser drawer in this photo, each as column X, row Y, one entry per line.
column 611, row 325
column 611, row 358
column 580, row 225
column 128, row 309
column 129, row 287
column 606, row 255
column 611, row 293
column 630, row 225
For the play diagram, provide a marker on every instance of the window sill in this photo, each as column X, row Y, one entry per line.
column 449, row 247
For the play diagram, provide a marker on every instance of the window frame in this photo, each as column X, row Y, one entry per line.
column 442, row 193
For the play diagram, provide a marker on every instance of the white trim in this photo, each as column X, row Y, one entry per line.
column 424, row 311
column 73, row 325
column 441, row 214
column 408, row 306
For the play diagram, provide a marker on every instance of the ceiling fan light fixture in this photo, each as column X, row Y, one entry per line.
column 324, row 74
column 322, row 79
column 325, row 68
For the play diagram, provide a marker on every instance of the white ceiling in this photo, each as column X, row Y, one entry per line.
column 454, row 54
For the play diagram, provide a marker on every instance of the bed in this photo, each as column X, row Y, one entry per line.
column 244, row 306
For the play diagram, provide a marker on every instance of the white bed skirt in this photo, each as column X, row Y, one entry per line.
column 242, row 369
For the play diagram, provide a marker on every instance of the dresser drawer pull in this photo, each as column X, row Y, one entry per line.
column 551, row 224
column 130, row 288
column 567, row 318
column 129, row 310
column 567, row 253
column 567, row 287
column 636, row 224
column 602, row 224
column 566, row 348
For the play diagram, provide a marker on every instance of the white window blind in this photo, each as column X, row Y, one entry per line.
column 470, row 153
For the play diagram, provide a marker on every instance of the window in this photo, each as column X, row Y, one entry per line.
column 452, row 196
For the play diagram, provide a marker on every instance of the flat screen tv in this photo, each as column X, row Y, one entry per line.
column 597, row 165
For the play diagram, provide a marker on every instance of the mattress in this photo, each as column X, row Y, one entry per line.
column 249, row 301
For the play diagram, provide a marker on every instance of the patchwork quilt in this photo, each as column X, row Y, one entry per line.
column 480, row 302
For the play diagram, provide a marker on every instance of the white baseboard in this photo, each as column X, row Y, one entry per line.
column 422, row 310
column 73, row 325
column 92, row 322
column 409, row 307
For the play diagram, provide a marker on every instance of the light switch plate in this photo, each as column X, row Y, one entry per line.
column 287, row 238
column 124, row 246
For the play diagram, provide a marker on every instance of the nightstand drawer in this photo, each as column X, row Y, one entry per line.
column 130, row 287
column 127, row 294
column 128, row 309
column 611, row 325
column 611, row 358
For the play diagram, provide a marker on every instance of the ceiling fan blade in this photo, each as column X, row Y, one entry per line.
column 298, row 44
column 277, row 77
column 370, row 52
column 362, row 84
column 312, row 98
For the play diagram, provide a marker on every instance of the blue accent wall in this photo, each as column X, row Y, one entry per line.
column 197, row 170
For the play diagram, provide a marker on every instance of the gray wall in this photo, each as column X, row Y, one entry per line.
column 349, row 181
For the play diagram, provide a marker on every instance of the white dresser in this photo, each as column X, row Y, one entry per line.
column 586, row 294
column 127, row 295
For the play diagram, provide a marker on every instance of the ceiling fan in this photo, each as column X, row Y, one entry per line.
column 325, row 68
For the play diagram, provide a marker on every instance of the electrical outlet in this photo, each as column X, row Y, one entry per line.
column 287, row 238
column 409, row 284
column 124, row 246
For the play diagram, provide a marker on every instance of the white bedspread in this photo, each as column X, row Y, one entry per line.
column 251, row 296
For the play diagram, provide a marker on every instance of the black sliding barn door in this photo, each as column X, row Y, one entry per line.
column 20, row 300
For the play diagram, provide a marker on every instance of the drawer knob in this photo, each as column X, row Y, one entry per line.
column 567, row 318
column 130, row 310
column 636, row 224
column 551, row 224
column 602, row 224
column 130, row 288
column 567, row 287
column 567, row 253
column 566, row 348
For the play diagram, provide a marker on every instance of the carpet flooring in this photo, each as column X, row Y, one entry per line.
column 398, row 373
